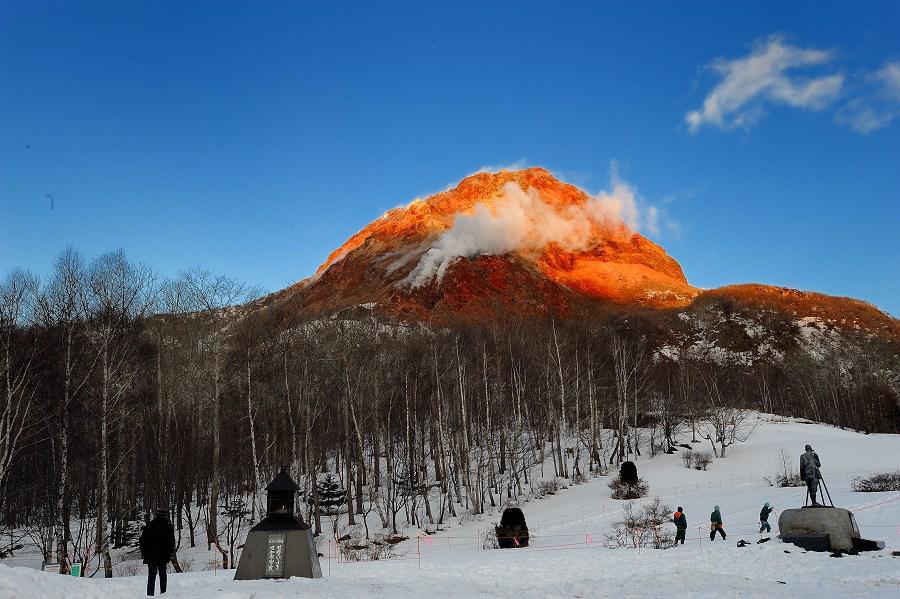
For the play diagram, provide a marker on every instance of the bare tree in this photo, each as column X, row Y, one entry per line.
column 724, row 423
column 17, row 295
column 630, row 366
column 211, row 295
column 120, row 295
column 63, row 314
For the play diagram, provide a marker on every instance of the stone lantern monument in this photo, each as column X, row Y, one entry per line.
column 281, row 545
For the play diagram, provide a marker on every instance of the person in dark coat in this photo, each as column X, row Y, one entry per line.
column 157, row 547
column 715, row 524
column 764, row 518
column 809, row 472
column 680, row 525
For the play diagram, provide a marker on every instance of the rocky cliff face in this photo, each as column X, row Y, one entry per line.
column 524, row 245
column 520, row 242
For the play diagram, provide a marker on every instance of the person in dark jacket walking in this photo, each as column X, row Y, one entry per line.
column 680, row 525
column 809, row 472
column 764, row 518
column 157, row 547
column 715, row 524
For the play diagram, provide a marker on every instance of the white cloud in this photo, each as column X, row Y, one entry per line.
column 859, row 115
column 765, row 75
column 878, row 106
column 521, row 221
column 889, row 76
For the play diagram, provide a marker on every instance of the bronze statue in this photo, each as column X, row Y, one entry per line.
column 809, row 472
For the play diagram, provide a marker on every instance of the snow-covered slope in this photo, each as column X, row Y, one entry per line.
column 568, row 557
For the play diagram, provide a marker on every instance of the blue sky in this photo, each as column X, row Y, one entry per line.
column 254, row 138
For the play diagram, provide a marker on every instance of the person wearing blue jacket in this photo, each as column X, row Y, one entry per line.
column 764, row 518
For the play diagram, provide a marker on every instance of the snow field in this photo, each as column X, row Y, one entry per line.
column 568, row 557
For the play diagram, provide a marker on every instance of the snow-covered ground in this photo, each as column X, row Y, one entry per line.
column 568, row 557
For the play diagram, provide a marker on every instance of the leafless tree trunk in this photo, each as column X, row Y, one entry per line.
column 17, row 294
column 120, row 295
column 250, row 421
column 211, row 295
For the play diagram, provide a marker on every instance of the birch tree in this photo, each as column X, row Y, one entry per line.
column 17, row 367
column 211, row 295
column 62, row 312
column 120, row 295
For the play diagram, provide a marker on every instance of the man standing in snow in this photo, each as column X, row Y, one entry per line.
column 809, row 472
column 680, row 525
column 715, row 524
column 764, row 518
column 157, row 546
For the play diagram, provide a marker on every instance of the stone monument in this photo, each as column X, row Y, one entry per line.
column 281, row 545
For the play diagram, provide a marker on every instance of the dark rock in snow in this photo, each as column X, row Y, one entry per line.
column 513, row 531
column 628, row 473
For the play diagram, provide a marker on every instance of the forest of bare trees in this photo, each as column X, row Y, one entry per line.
column 123, row 392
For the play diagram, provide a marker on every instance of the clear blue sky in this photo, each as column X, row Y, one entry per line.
column 253, row 138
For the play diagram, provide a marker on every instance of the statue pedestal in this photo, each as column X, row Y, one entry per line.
column 822, row 529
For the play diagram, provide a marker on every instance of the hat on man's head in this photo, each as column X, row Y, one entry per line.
column 162, row 512
column 808, row 447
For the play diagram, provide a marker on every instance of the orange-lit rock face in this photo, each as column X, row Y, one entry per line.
column 621, row 275
column 603, row 259
column 609, row 269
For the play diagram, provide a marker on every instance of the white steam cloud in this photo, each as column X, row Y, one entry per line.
column 521, row 221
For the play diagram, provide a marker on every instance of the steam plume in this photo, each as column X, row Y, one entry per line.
column 521, row 221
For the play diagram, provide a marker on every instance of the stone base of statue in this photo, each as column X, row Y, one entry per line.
column 823, row 528
column 279, row 547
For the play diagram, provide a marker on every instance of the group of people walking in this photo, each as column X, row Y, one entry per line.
column 809, row 472
column 715, row 523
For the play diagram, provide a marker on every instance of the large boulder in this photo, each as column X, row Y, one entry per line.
column 819, row 528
